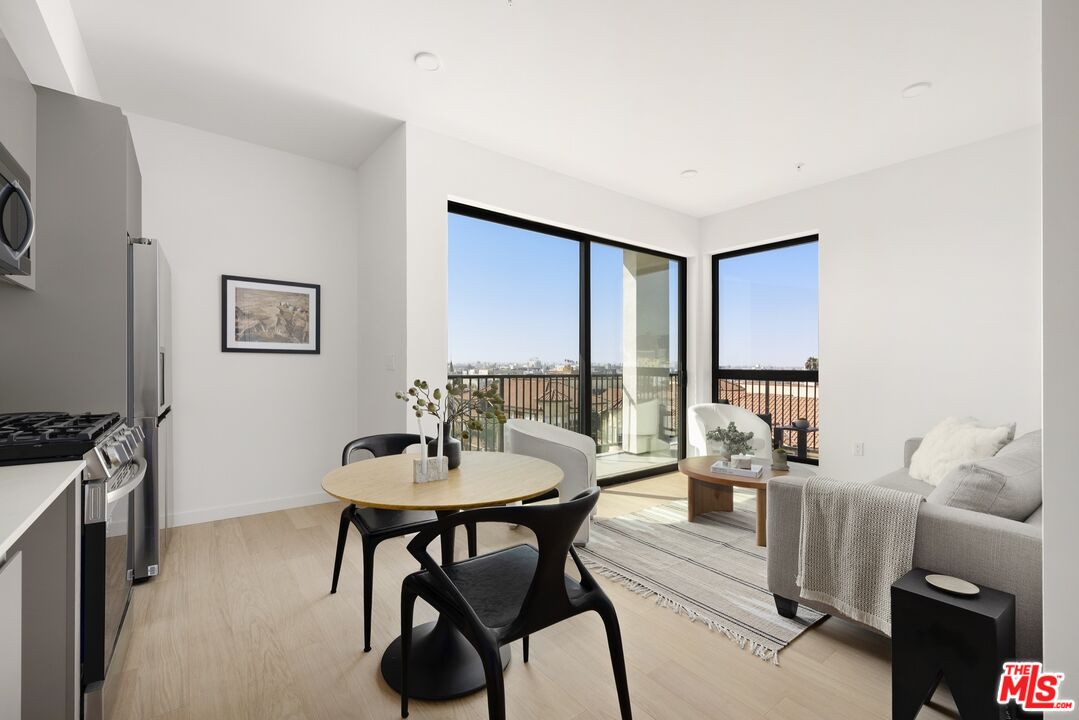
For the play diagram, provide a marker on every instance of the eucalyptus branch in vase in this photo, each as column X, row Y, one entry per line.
column 425, row 401
column 470, row 408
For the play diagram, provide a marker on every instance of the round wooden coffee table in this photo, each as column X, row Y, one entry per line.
column 443, row 664
column 711, row 491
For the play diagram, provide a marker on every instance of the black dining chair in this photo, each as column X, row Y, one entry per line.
column 508, row 594
column 378, row 525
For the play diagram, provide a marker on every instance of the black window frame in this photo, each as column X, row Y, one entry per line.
column 585, row 241
column 718, row 374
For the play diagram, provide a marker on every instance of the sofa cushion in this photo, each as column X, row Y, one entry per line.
column 955, row 441
column 901, row 480
column 1008, row 485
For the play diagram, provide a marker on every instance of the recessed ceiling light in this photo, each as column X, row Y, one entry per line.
column 918, row 88
column 427, row 61
column 689, row 173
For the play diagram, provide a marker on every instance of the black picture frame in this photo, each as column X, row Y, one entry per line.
column 229, row 343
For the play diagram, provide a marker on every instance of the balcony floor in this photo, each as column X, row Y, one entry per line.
column 610, row 464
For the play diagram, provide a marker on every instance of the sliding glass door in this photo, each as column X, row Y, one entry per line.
column 576, row 331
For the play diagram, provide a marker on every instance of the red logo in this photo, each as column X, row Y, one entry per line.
column 1031, row 689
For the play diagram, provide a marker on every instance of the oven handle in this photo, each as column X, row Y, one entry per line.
column 131, row 484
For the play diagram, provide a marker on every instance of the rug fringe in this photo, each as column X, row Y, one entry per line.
column 637, row 587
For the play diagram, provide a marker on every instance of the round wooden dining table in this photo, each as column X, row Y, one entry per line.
column 443, row 664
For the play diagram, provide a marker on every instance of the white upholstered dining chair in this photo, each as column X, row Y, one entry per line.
column 573, row 452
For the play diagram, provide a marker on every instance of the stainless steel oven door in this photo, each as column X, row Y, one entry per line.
column 106, row 604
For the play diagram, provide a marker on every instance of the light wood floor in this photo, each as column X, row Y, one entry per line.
column 241, row 625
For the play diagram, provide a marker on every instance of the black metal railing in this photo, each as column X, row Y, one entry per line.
column 555, row 398
column 786, row 395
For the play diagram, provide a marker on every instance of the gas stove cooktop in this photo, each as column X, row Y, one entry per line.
column 51, row 436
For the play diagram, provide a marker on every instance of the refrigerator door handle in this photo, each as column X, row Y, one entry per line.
column 161, row 368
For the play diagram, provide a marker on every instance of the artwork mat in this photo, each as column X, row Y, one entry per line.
column 231, row 283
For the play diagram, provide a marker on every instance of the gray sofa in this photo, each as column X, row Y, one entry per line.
column 982, row 548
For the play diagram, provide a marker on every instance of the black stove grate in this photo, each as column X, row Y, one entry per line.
column 26, row 437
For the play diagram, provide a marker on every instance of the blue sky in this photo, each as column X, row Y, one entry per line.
column 513, row 295
column 768, row 308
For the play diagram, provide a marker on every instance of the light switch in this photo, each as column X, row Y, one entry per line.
column 391, row 361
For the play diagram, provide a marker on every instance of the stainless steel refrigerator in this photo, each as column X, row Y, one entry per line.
column 95, row 334
column 150, row 398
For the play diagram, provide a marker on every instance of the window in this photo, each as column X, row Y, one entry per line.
column 765, row 355
column 576, row 331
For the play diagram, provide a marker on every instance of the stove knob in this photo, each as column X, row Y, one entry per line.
column 122, row 451
column 112, row 456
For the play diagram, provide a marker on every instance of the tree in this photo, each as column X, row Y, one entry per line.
column 812, row 364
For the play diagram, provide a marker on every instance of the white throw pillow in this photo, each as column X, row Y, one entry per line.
column 953, row 442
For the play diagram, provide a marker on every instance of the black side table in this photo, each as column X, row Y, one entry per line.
column 964, row 639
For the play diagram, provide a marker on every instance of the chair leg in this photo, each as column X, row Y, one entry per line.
column 496, row 685
column 368, row 589
column 470, row 528
column 408, row 603
column 618, row 658
column 342, row 536
column 525, row 639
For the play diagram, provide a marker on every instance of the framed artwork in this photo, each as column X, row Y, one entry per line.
column 269, row 316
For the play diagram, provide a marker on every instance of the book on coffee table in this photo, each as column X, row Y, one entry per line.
column 721, row 466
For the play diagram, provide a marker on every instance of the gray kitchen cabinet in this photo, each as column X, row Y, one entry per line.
column 11, row 638
column 50, row 589
column 83, row 189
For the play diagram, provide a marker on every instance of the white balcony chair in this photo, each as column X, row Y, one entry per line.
column 708, row 416
column 574, row 453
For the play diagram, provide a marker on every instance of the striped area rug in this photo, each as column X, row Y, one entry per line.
column 710, row 570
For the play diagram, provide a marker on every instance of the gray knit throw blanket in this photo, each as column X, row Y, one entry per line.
column 857, row 539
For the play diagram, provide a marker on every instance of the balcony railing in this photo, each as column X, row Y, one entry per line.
column 784, row 395
column 554, row 398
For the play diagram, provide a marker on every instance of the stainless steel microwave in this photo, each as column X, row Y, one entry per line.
column 16, row 217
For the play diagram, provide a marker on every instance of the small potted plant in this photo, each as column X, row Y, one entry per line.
column 737, row 444
column 779, row 456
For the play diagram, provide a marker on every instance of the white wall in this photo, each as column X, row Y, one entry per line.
column 47, row 39
column 1060, row 115
column 253, row 432
column 381, row 288
column 442, row 168
column 929, row 294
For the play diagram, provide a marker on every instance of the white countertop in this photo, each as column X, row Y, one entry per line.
column 26, row 491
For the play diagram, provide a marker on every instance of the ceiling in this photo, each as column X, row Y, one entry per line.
column 622, row 93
